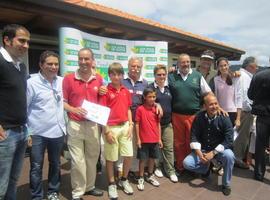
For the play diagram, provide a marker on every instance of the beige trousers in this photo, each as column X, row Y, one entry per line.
column 84, row 147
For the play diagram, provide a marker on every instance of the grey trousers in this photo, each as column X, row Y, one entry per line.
column 167, row 153
column 240, row 146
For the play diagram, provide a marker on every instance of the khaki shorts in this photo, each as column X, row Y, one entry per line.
column 122, row 146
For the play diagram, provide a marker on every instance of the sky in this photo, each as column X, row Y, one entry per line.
column 239, row 23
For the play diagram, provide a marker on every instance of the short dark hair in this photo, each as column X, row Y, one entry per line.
column 87, row 49
column 10, row 31
column 158, row 67
column 148, row 90
column 116, row 67
column 46, row 54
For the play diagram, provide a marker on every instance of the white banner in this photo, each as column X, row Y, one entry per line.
column 108, row 50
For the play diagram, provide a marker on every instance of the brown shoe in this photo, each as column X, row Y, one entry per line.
column 241, row 164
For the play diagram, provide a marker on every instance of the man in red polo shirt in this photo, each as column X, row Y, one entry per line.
column 83, row 135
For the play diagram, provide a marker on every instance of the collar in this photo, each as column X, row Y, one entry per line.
column 127, row 77
column 209, row 119
column 8, row 58
column 156, row 85
column 110, row 86
column 247, row 72
column 78, row 77
column 43, row 78
column 6, row 55
column 190, row 72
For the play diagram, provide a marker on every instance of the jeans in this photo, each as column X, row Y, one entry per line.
column 192, row 163
column 54, row 147
column 12, row 151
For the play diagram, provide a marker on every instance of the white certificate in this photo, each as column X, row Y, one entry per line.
column 96, row 113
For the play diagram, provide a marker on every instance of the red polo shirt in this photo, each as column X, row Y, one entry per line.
column 149, row 122
column 75, row 90
column 119, row 102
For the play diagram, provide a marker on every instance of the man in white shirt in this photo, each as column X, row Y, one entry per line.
column 249, row 67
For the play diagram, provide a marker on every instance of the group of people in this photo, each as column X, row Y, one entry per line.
column 184, row 120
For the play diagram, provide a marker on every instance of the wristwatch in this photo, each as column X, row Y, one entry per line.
column 215, row 152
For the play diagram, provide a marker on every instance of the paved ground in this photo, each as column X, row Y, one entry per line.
column 189, row 188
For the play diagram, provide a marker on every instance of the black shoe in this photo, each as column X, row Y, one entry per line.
column 258, row 178
column 78, row 199
column 226, row 190
column 241, row 164
column 94, row 192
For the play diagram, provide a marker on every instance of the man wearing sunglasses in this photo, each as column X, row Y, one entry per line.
column 46, row 124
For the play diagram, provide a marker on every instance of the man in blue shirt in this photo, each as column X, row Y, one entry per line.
column 46, row 124
column 211, row 137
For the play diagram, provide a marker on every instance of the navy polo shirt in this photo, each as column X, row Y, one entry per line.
column 136, row 91
column 165, row 100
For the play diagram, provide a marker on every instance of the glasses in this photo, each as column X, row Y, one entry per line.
column 160, row 75
column 57, row 96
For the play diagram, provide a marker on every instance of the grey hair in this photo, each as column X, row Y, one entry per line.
column 249, row 60
column 131, row 59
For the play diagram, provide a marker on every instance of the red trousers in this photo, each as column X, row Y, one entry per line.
column 181, row 128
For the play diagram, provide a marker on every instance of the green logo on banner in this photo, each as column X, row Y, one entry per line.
column 150, row 59
column 108, row 57
column 115, row 48
column 149, row 67
column 71, row 63
column 148, row 75
column 163, row 50
column 163, row 59
column 90, row 44
column 71, row 41
column 97, row 56
column 143, row 50
column 122, row 58
column 71, row 52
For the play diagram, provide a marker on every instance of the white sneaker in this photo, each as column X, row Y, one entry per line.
column 221, row 171
column 140, row 185
column 158, row 173
column 152, row 180
column 173, row 178
column 126, row 187
column 53, row 196
column 112, row 192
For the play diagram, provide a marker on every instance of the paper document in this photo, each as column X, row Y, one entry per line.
column 96, row 113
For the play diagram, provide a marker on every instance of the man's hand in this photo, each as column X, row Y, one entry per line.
column 139, row 143
column 79, row 111
column 110, row 138
column 209, row 156
column 201, row 156
column 29, row 141
column 2, row 133
column 160, row 144
column 102, row 90
column 222, row 112
column 159, row 110
column 130, row 132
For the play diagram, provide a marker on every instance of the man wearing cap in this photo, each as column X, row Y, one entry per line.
column 186, row 86
column 205, row 67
